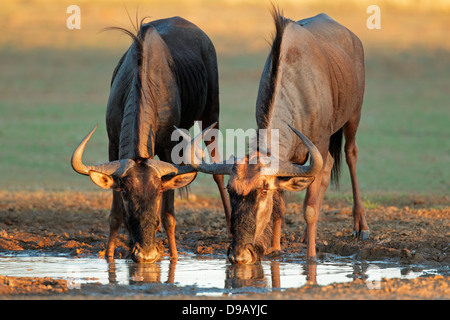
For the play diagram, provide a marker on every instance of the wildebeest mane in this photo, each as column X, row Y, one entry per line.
column 190, row 73
column 136, row 36
column 138, row 40
column 281, row 23
column 147, row 93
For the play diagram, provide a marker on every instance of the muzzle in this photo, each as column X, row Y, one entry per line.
column 138, row 254
column 245, row 254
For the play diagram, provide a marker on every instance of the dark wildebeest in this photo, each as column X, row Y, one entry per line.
column 313, row 80
column 167, row 77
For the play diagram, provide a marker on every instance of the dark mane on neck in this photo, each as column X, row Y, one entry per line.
column 141, row 98
column 138, row 37
column 280, row 25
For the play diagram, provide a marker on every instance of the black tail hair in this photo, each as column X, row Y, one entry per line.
column 335, row 151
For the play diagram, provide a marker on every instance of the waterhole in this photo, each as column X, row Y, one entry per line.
column 193, row 275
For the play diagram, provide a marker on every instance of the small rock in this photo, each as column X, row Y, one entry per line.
column 204, row 250
column 405, row 253
column 101, row 254
column 418, row 257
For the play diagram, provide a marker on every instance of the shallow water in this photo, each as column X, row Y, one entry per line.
column 202, row 276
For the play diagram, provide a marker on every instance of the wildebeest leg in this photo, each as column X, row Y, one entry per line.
column 313, row 203
column 225, row 201
column 117, row 209
column 168, row 221
column 311, row 214
column 212, row 146
column 326, row 175
column 115, row 221
column 360, row 227
column 277, row 216
column 168, row 213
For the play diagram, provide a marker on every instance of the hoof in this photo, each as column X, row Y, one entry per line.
column 362, row 235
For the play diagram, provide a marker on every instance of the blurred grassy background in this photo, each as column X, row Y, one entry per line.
column 54, row 84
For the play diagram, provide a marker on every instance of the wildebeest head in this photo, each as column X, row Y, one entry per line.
column 254, row 193
column 141, row 183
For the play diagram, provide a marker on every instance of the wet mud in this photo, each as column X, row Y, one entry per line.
column 410, row 234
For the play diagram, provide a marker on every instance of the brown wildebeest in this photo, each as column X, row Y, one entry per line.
column 313, row 80
column 167, row 77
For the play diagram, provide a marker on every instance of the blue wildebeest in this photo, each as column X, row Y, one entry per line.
column 167, row 77
column 313, row 79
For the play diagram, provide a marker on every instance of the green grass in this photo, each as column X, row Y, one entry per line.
column 51, row 98
column 404, row 135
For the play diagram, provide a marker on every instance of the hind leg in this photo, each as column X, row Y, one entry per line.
column 225, row 201
column 212, row 146
column 360, row 227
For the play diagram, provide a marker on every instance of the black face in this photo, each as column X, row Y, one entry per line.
column 141, row 184
column 141, row 192
column 250, row 225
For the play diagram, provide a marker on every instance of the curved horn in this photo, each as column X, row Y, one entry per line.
column 118, row 167
column 288, row 169
column 197, row 163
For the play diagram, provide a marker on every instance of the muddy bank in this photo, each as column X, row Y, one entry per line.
column 433, row 287
column 75, row 224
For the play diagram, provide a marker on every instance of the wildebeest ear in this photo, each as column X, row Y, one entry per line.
column 102, row 180
column 178, row 181
column 294, row 183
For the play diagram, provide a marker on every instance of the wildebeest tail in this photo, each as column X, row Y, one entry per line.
column 336, row 152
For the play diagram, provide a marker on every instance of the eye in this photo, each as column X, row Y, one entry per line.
column 123, row 192
column 264, row 192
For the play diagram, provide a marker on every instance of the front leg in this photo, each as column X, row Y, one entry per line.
column 169, row 222
column 325, row 181
column 311, row 214
column 115, row 221
column 313, row 204
column 278, row 211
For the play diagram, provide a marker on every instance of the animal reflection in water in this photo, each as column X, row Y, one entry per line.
column 237, row 276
